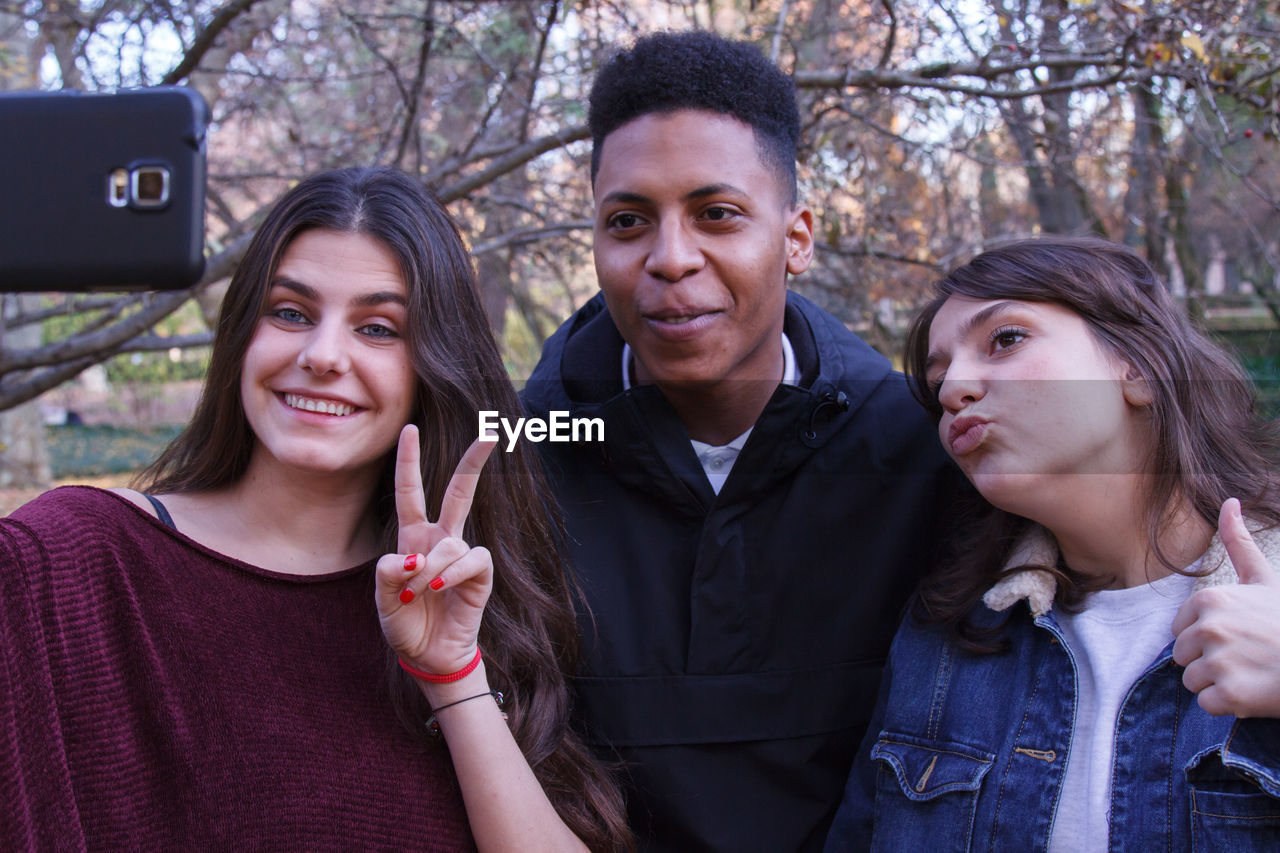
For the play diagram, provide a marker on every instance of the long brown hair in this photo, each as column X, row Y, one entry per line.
column 1208, row 441
column 528, row 633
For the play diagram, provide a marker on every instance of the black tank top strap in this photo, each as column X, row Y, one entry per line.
column 163, row 513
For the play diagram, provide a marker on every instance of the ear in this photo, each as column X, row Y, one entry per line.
column 1136, row 391
column 799, row 239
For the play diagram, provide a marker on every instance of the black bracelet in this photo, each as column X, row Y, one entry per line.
column 434, row 727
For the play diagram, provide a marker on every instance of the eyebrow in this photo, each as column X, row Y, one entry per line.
column 969, row 325
column 364, row 300
column 715, row 189
column 625, row 197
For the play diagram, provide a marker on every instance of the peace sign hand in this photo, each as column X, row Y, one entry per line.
column 432, row 593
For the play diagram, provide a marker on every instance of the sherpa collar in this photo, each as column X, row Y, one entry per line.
column 1038, row 547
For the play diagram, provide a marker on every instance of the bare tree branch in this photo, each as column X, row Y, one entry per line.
column 414, row 96
column 98, row 343
column 887, row 53
column 779, row 25
column 513, row 160
column 523, row 236
column 535, row 69
column 939, row 77
column 204, row 41
column 878, row 254
column 66, row 308
column 16, row 393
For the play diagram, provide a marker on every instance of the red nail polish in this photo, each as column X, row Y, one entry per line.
column 410, row 562
column 406, row 595
column 436, row 583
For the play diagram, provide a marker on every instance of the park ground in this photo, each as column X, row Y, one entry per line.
column 121, row 431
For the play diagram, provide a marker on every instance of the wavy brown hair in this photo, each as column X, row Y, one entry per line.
column 528, row 632
column 1208, row 441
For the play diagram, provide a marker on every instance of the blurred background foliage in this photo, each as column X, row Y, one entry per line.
column 85, row 451
column 931, row 129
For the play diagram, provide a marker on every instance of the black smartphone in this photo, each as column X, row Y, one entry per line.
column 102, row 191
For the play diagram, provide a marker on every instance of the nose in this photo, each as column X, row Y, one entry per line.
column 674, row 252
column 325, row 350
column 960, row 389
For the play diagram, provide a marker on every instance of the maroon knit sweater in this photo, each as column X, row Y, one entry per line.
column 156, row 695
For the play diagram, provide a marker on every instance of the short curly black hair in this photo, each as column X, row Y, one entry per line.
column 664, row 72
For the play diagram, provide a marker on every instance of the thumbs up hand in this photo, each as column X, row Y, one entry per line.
column 1228, row 637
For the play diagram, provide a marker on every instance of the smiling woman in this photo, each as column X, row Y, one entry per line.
column 327, row 383
column 211, row 660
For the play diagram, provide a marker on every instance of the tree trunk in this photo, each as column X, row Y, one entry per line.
column 1180, row 230
column 1071, row 201
column 1019, row 125
column 1141, row 221
column 495, row 269
column 24, row 462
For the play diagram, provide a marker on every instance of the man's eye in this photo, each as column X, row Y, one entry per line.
column 719, row 214
column 623, row 221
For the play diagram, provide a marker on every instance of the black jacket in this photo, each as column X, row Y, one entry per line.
column 735, row 642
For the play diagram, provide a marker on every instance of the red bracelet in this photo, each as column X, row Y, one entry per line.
column 432, row 678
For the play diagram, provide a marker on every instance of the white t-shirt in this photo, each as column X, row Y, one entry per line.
column 1118, row 634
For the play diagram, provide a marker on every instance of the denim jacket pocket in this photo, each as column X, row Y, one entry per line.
column 926, row 792
column 1229, row 811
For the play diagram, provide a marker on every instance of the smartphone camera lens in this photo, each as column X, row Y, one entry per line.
column 149, row 186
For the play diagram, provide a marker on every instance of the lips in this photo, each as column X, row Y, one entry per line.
column 319, row 405
column 966, row 434
column 679, row 324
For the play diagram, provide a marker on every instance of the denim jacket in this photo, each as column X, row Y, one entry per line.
column 967, row 752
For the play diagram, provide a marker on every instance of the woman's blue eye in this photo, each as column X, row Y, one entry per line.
column 289, row 315
column 377, row 330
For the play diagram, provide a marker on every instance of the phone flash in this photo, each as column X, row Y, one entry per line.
column 118, row 188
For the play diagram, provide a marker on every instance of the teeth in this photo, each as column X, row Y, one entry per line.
column 325, row 407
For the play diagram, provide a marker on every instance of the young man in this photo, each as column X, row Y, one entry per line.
column 767, row 491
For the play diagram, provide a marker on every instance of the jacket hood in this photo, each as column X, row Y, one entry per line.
column 1038, row 588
